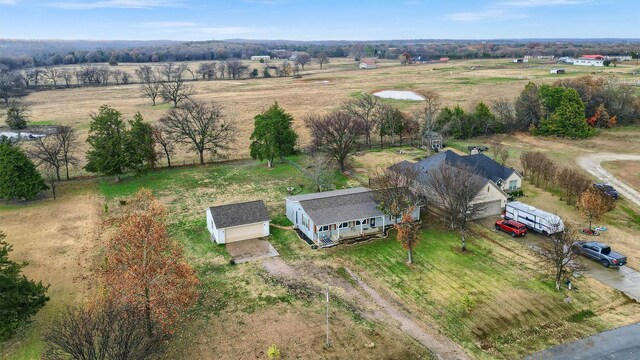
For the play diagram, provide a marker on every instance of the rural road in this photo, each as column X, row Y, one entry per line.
column 592, row 164
column 620, row 344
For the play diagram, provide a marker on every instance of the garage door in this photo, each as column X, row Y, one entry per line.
column 244, row 232
column 489, row 208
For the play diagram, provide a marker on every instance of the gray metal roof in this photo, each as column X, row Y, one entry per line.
column 341, row 207
column 251, row 212
column 325, row 194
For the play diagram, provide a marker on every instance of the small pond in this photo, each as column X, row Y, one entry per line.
column 398, row 95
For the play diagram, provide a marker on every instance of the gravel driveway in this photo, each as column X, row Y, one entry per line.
column 592, row 164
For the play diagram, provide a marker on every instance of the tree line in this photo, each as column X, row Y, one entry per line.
column 42, row 55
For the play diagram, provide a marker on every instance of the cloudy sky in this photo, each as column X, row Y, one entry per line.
column 318, row 20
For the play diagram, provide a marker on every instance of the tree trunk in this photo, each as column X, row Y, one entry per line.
column 558, row 277
column 201, row 157
column 410, row 254
column 58, row 173
column 270, row 163
column 464, row 242
column 66, row 166
column 168, row 158
column 147, row 311
column 53, row 189
column 381, row 145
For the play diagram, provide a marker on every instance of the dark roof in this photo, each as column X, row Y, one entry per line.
column 341, row 207
column 484, row 166
column 251, row 212
column 327, row 194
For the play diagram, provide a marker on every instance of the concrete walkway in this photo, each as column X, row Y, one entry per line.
column 592, row 164
column 624, row 279
column 620, row 344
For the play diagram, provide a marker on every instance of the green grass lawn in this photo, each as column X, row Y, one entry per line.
column 487, row 299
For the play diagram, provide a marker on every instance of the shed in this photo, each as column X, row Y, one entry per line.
column 237, row 222
column 367, row 64
column 433, row 140
column 558, row 71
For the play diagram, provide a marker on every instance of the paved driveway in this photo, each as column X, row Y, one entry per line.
column 624, row 279
column 250, row 250
column 592, row 164
column 620, row 344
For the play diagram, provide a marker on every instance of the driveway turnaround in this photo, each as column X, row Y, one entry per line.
column 619, row 344
column 250, row 250
column 592, row 164
column 624, row 279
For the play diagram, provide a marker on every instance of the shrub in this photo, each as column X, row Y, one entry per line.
column 468, row 303
column 273, row 352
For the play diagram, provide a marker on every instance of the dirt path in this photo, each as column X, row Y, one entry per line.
column 592, row 164
column 442, row 347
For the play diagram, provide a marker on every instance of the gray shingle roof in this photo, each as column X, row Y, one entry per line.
column 341, row 207
column 484, row 166
column 225, row 216
column 327, row 194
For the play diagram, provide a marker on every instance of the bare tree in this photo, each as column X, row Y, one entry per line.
column 171, row 71
column 176, row 89
column 67, row 76
column 117, row 75
column 102, row 332
column 236, row 69
column 557, row 253
column 56, row 150
column 505, row 112
column 594, row 203
column 454, row 191
column 161, row 138
column 336, row 134
column 322, row 58
column 499, row 151
column 103, row 74
column 207, row 70
column 428, row 115
column 11, row 85
column 151, row 88
column 302, row 59
column 319, row 171
column 393, row 189
column 144, row 73
column 285, row 69
column 203, row 126
column 53, row 74
column 573, row 183
column 364, row 108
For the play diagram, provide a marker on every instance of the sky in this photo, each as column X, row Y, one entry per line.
column 317, row 20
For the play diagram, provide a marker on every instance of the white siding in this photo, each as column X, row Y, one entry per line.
column 489, row 193
column 514, row 177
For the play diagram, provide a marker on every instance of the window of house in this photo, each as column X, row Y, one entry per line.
column 343, row 225
column 305, row 221
column 324, row 228
column 513, row 184
column 372, row 221
column 358, row 222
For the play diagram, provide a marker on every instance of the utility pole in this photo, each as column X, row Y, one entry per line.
column 327, row 344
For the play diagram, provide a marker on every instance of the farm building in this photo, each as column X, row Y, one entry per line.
column 260, row 57
column 557, row 71
column 588, row 62
column 368, row 64
column 592, row 57
column 498, row 179
column 444, row 59
column 237, row 222
column 520, row 60
column 619, row 57
column 330, row 217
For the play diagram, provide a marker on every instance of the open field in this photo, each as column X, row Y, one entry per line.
column 319, row 91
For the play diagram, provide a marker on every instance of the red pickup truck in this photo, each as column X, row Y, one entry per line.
column 512, row 227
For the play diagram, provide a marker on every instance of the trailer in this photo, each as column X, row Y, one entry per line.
column 534, row 219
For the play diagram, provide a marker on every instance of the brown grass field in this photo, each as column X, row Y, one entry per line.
column 61, row 238
column 319, row 91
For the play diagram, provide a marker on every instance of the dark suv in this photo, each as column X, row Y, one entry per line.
column 608, row 190
column 512, row 227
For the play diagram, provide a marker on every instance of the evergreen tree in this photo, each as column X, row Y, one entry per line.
column 20, row 298
column 550, row 98
column 568, row 120
column 19, row 178
column 485, row 123
column 139, row 145
column 116, row 149
column 528, row 107
column 272, row 135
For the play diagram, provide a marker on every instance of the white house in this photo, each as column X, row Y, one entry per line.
column 237, row 222
column 326, row 218
column 588, row 62
column 368, row 64
column 498, row 179
column 260, row 57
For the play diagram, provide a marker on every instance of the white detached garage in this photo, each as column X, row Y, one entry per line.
column 237, row 222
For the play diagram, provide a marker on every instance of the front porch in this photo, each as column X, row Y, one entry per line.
column 332, row 234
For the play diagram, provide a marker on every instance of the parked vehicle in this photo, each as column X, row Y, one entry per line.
column 534, row 219
column 608, row 190
column 511, row 227
column 599, row 252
